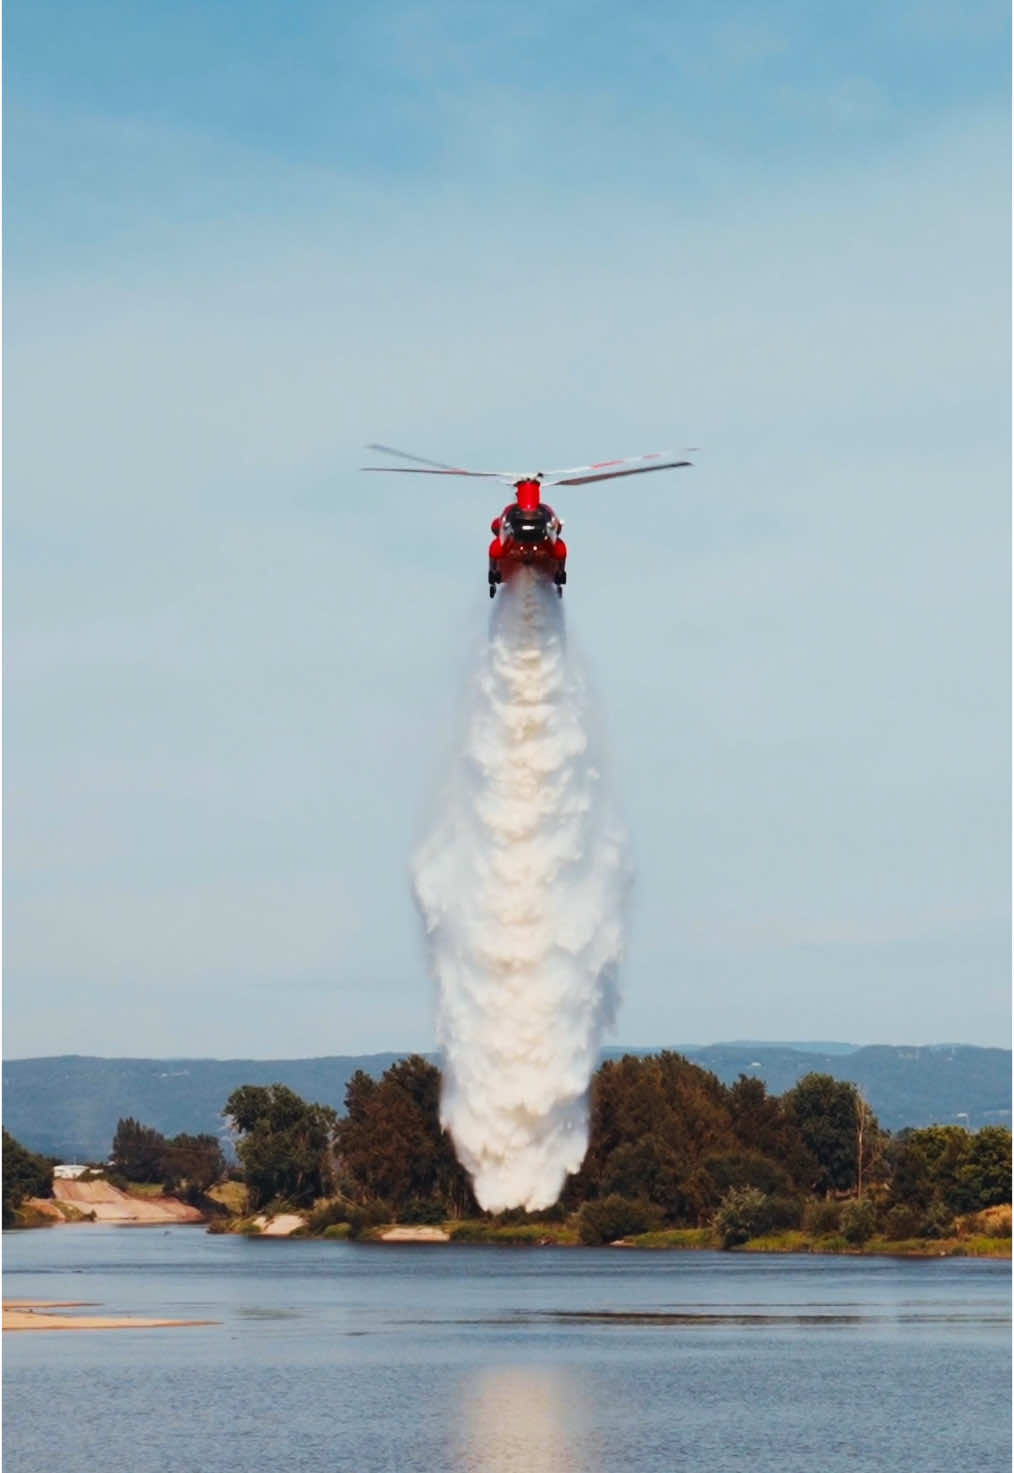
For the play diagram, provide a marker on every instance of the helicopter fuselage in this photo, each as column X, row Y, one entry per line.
column 527, row 534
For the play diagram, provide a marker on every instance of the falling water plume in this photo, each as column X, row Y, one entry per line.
column 521, row 884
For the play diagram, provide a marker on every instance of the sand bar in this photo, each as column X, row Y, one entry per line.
column 30, row 1314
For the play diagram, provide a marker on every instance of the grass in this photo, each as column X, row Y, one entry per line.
column 232, row 1195
column 991, row 1222
column 246, row 1226
column 674, row 1238
column 969, row 1245
column 976, row 1245
column 29, row 1216
column 474, row 1230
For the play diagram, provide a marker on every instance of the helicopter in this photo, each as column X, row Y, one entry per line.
column 526, row 534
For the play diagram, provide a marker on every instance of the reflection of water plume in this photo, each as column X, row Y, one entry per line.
column 521, row 885
column 520, row 1420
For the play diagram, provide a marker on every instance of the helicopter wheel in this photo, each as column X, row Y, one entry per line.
column 492, row 590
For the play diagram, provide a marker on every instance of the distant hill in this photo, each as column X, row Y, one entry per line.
column 68, row 1106
column 906, row 1086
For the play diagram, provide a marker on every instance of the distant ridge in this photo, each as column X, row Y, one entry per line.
column 67, row 1106
column 800, row 1048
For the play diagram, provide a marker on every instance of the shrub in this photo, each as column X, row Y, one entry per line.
column 422, row 1210
column 556, row 1213
column 748, row 1169
column 326, row 1214
column 743, row 1213
column 371, row 1214
column 609, row 1218
column 784, row 1211
column 997, row 1221
column 937, row 1222
column 902, row 1221
column 821, row 1218
column 858, row 1220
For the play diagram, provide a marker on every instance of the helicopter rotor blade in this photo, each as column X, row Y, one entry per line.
column 440, row 465
column 604, row 475
column 434, row 467
column 608, row 465
column 420, row 470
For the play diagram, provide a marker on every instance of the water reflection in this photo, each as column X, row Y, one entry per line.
column 523, row 1420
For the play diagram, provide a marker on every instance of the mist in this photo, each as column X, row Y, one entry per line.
column 522, row 883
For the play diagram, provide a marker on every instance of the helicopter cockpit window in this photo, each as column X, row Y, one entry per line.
column 528, row 526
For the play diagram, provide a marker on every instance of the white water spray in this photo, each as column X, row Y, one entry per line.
column 522, row 884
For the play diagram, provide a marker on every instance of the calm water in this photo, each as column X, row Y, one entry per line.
column 329, row 1356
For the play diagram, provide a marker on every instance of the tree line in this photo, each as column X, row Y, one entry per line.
column 669, row 1146
column 183, row 1165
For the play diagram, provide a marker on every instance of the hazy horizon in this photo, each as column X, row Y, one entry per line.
column 800, row 1046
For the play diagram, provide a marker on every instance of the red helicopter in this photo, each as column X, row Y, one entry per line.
column 527, row 532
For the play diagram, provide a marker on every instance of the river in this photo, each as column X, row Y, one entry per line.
column 343, row 1358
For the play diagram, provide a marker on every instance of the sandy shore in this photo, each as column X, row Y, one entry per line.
column 282, row 1226
column 415, row 1235
column 108, row 1204
column 31, row 1314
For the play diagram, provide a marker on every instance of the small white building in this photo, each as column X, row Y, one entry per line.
column 68, row 1171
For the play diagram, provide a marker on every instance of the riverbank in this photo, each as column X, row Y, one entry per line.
column 974, row 1237
column 100, row 1201
column 985, row 1234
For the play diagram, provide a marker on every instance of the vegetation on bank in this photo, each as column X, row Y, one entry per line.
column 675, row 1159
column 24, row 1175
column 185, row 1166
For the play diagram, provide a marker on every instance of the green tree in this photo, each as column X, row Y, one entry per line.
column 858, row 1220
column 984, row 1179
column 391, row 1146
column 138, row 1152
column 748, row 1169
column 743, row 1213
column 654, row 1122
column 824, row 1110
column 910, row 1174
column 763, row 1124
column 193, row 1164
column 24, row 1175
column 946, row 1166
column 285, row 1144
column 929, row 1170
column 613, row 1217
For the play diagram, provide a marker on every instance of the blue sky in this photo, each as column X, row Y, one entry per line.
column 242, row 241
